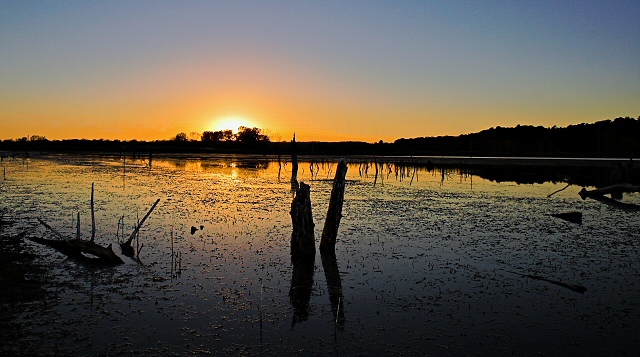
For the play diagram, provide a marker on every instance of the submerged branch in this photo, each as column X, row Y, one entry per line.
column 53, row 230
column 617, row 188
column 577, row 288
column 562, row 189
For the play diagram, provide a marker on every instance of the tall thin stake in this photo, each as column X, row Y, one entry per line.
column 78, row 227
column 93, row 217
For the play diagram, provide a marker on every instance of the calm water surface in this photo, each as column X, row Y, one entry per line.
column 422, row 265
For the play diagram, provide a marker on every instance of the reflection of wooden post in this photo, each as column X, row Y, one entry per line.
column 301, row 287
column 334, row 213
column 294, row 165
column 302, row 238
column 279, row 167
column 334, row 284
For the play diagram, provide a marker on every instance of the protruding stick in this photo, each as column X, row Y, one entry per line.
column 135, row 231
column 78, row 227
column 294, row 165
column 93, row 217
column 56, row 233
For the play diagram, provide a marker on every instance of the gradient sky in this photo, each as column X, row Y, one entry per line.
column 327, row 70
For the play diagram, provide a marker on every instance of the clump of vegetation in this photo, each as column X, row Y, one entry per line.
column 244, row 135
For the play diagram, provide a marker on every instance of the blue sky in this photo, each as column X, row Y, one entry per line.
column 345, row 70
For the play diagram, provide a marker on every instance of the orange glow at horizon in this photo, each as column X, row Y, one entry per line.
column 231, row 123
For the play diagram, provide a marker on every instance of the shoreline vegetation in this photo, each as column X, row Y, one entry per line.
column 603, row 139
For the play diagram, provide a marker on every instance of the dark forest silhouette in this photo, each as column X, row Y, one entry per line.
column 607, row 138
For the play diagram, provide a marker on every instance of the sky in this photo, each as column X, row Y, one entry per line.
column 326, row 70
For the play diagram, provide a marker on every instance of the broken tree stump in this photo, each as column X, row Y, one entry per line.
column 302, row 237
column 334, row 213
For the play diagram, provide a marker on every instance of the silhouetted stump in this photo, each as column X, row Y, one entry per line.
column 302, row 237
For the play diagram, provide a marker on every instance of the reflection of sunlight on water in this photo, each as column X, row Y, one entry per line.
column 421, row 257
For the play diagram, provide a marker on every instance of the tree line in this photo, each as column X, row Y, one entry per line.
column 617, row 138
column 244, row 135
column 606, row 138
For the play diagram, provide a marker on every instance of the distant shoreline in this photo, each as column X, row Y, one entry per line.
column 604, row 141
column 453, row 160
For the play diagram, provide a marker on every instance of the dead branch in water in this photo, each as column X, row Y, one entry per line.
column 613, row 189
column 56, row 233
column 562, row 189
column 79, row 249
column 629, row 207
column 577, row 288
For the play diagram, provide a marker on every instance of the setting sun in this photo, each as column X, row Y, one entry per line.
column 231, row 123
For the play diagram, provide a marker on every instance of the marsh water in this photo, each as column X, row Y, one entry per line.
column 424, row 264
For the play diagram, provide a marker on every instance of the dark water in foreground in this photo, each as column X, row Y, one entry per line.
column 422, row 264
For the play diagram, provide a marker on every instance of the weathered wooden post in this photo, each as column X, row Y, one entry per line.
column 334, row 213
column 303, row 253
column 303, row 237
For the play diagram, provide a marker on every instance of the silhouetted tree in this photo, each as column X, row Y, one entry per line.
column 38, row 138
column 181, row 137
column 228, row 135
column 251, row 136
column 209, row 136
